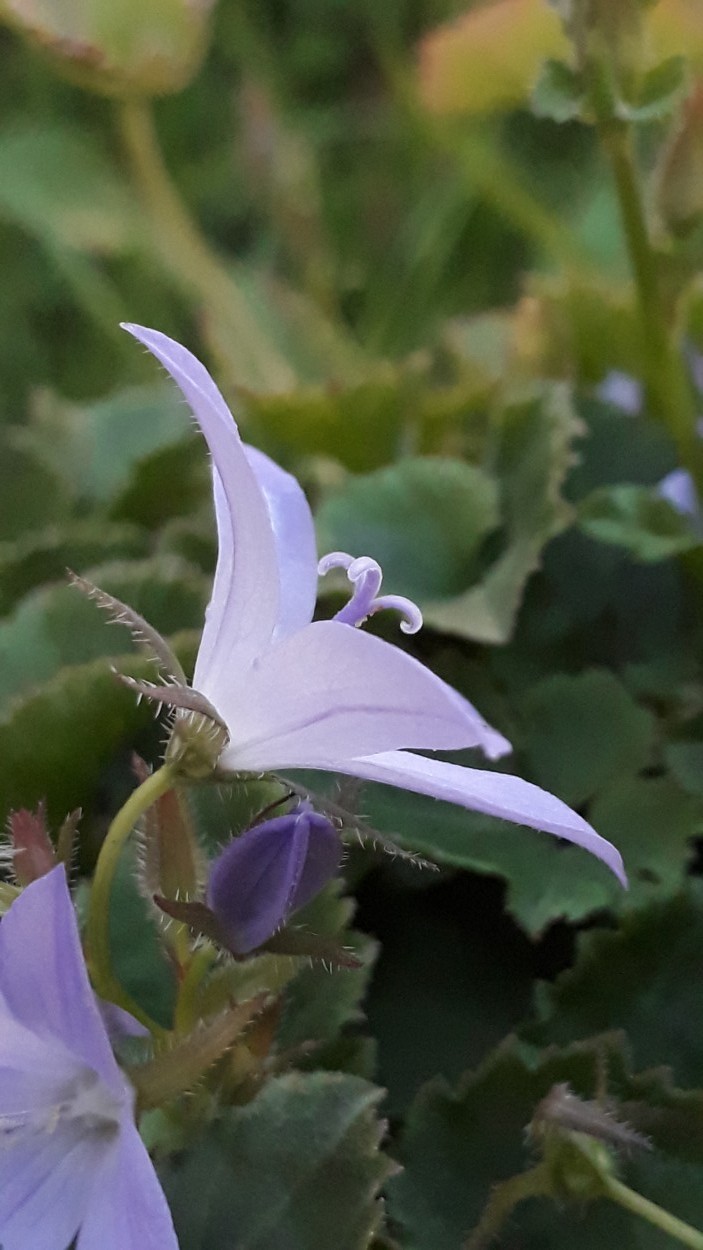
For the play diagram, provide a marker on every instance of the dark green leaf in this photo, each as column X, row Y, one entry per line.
column 644, row 978
column 458, row 1144
column 32, row 495
column 582, row 732
column 638, row 519
column 297, row 1169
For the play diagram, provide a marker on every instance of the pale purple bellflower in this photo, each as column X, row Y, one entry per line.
column 72, row 1162
column 262, row 877
column 294, row 693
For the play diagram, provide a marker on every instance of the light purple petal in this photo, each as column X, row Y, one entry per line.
column 496, row 794
column 244, row 609
column 679, row 489
column 331, row 692
column 623, row 391
column 43, row 978
column 252, row 882
column 128, row 1210
column 294, row 533
column 33, row 1070
column 46, row 1183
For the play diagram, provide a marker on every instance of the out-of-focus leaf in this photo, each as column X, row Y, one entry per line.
column 32, row 495
column 117, row 47
column 685, row 759
column 57, row 184
column 638, row 519
column 57, row 626
column 617, row 447
column 360, row 425
column 99, row 446
column 489, row 59
column 44, row 555
column 534, row 453
column 645, row 978
column 423, row 520
column 660, row 92
column 458, row 1144
column 583, row 732
column 559, row 92
column 299, row 1166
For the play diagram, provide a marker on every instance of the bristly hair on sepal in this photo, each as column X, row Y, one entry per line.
column 562, row 1110
column 143, row 634
column 352, row 826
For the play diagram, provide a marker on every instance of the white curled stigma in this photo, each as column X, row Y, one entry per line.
column 366, row 577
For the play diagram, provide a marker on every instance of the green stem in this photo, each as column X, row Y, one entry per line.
column 661, row 1219
column 535, row 1183
column 669, row 387
column 234, row 333
column 97, row 930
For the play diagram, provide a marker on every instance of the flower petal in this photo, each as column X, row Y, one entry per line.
column 46, row 1182
column 496, row 794
column 43, row 977
column 331, row 693
column 128, row 1210
column 294, row 533
column 243, row 611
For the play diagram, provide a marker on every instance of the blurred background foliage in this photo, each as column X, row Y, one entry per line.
column 408, row 270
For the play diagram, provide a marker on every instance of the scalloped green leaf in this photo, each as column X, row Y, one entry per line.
column 457, row 1144
column 57, row 626
column 44, row 555
column 98, row 447
column 422, row 519
column 582, row 732
column 533, row 456
column 299, row 1167
column 645, row 978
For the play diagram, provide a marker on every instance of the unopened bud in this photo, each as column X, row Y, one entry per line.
column 117, row 47
column 679, row 183
column 270, row 872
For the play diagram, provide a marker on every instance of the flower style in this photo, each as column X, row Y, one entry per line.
column 294, row 693
column 71, row 1159
column 268, row 873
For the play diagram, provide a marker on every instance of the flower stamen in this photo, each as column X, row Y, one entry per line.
column 366, row 576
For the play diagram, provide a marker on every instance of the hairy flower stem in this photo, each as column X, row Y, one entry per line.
column 188, row 257
column 103, row 977
column 536, row 1183
column 669, row 388
column 656, row 1215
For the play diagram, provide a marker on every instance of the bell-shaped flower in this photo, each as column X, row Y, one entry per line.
column 268, row 873
column 294, row 693
column 72, row 1162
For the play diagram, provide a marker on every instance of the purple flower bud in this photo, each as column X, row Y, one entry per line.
column 269, row 872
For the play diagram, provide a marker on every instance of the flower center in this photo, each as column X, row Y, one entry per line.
column 86, row 1101
column 366, row 576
